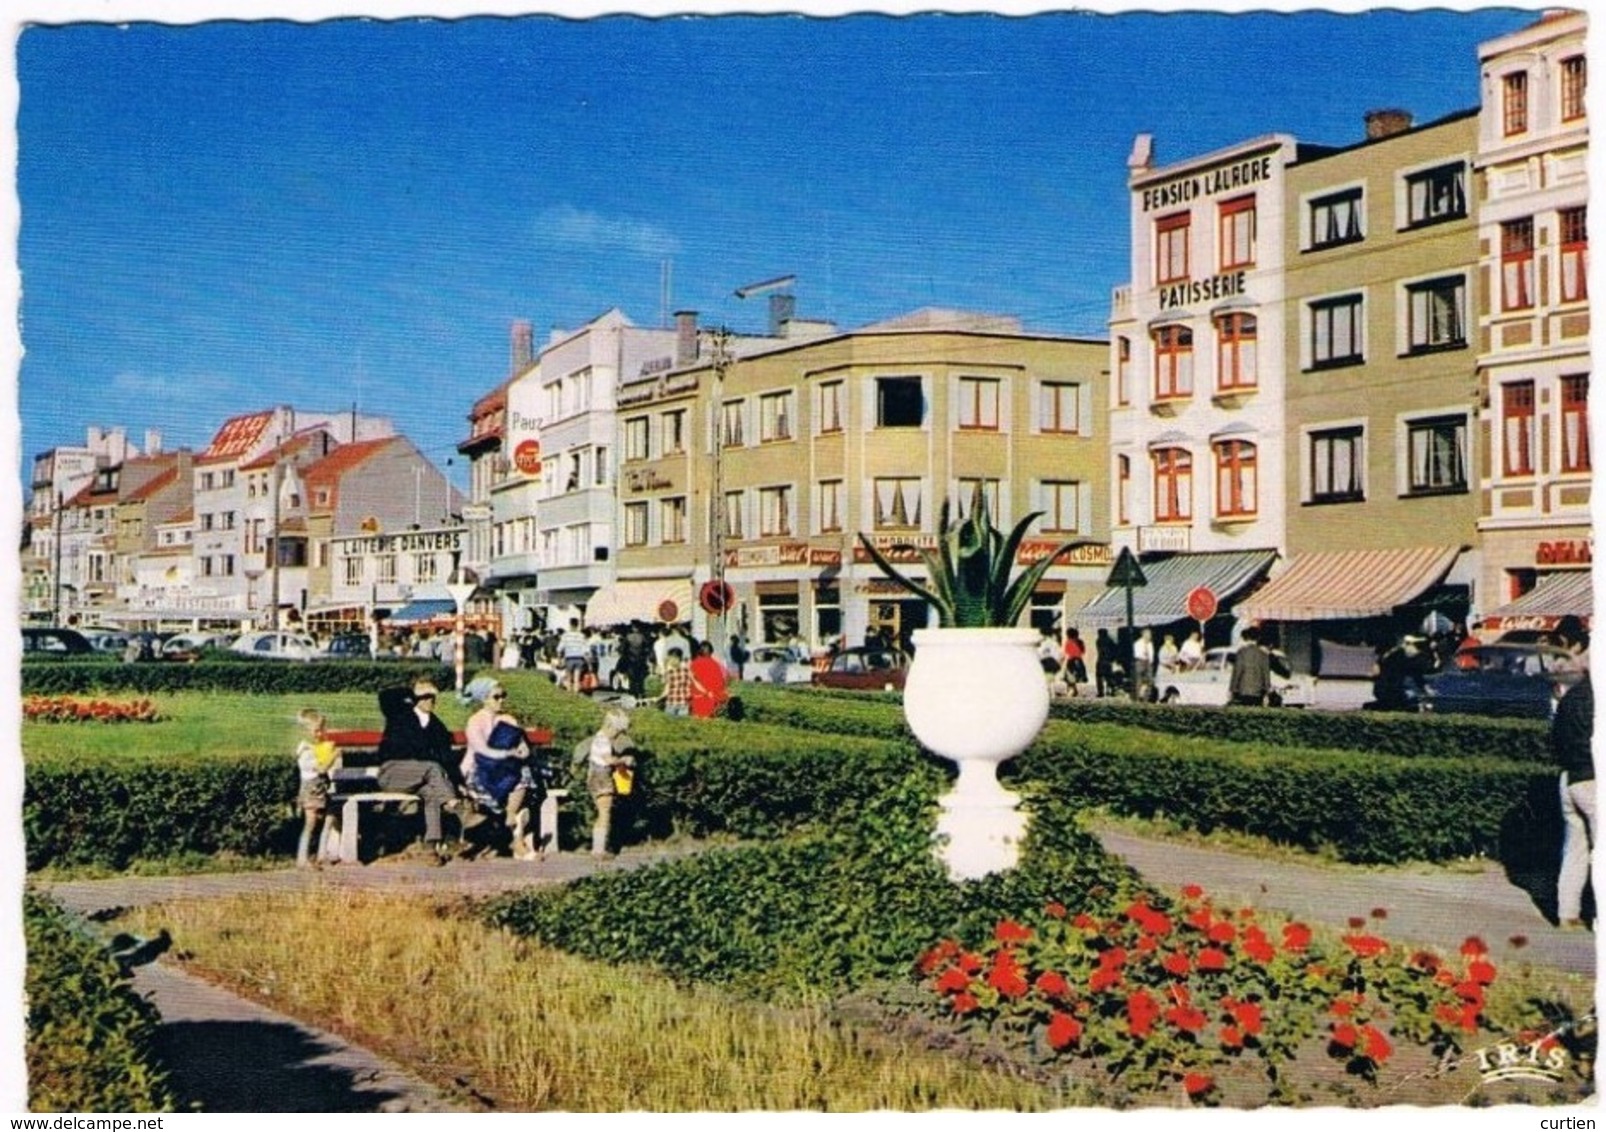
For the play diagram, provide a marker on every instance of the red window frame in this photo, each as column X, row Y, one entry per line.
column 1575, row 422
column 1123, row 490
column 1231, row 214
column 1233, row 459
column 1233, row 331
column 1574, row 233
column 1172, row 346
column 1517, row 264
column 1171, row 233
column 1574, row 83
column 1517, row 428
column 1172, row 467
column 1123, row 371
column 1514, row 103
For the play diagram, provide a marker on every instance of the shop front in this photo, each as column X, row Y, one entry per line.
column 1537, row 583
column 1161, row 602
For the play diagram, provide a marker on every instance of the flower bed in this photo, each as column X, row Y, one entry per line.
column 65, row 709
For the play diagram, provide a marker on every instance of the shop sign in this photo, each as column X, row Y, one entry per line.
column 1225, row 286
column 1164, row 538
column 1225, row 178
column 1033, row 550
column 527, row 457
column 1537, row 622
column 819, row 556
column 881, row 587
column 402, row 542
column 782, row 554
column 896, row 548
column 1564, row 552
column 639, row 481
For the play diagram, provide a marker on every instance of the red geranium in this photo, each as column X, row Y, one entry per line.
column 1192, row 891
column 1376, row 1045
column 1231, row 1038
column 953, row 979
column 1366, row 946
column 1141, row 1013
column 1473, row 946
column 1063, row 1030
column 1212, row 959
column 1053, row 983
column 1198, row 1084
column 1248, row 1016
column 1345, row 1035
column 1085, row 922
column 1103, row 978
column 965, row 1003
column 1006, row 977
column 1054, row 909
column 1259, row 948
column 1176, row 963
column 1296, row 936
column 1008, row 931
column 1114, row 957
column 1187, row 1018
column 1481, row 971
column 969, row 962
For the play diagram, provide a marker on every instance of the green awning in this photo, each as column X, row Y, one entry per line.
column 1164, row 599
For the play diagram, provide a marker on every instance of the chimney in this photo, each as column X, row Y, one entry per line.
column 1386, row 123
column 783, row 306
column 685, row 337
column 522, row 346
column 153, row 442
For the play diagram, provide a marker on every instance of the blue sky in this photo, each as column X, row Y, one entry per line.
column 222, row 217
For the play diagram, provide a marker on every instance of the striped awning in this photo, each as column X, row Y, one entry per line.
column 1170, row 581
column 640, row 599
column 1347, row 584
column 1554, row 597
column 424, row 609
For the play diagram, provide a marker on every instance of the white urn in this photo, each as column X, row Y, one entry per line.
column 977, row 697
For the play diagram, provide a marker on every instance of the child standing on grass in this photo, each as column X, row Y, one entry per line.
column 317, row 759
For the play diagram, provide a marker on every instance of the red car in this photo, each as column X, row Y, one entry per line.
column 866, row 669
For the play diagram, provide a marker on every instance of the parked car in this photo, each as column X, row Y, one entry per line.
column 276, row 645
column 190, row 646
column 876, row 669
column 349, row 646
column 779, row 664
column 112, row 641
column 55, row 642
column 1500, row 679
column 1208, row 683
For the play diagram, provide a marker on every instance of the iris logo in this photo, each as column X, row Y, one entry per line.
column 1542, row 1060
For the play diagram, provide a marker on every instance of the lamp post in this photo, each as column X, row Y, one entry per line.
column 460, row 590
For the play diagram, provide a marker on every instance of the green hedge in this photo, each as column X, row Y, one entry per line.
column 90, row 1044
column 267, row 677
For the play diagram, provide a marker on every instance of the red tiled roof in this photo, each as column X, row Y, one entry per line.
column 237, row 437
column 185, row 516
column 153, row 485
column 348, row 456
column 289, row 448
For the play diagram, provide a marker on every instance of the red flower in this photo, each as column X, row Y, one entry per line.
column 1469, row 1016
column 1260, row 949
column 1053, row 983
column 1357, row 922
column 1296, row 936
column 1481, row 971
column 1063, row 1030
column 1152, row 922
column 953, row 979
column 1342, row 1007
column 1148, row 944
column 1103, row 979
column 1377, row 1046
column 1231, row 1038
column 1380, row 913
column 1248, row 1015
column 1186, row 1018
column 969, row 962
column 1345, row 1035
column 1198, row 1084
column 1006, row 977
column 1141, row 1013
column 1444, row 977
column 1425, row 961
column 934, row 958
column 1366, row 946
column 1473, row 946
column 1008, row 931
column 1114, row 957
column 965, row 1003
column 1212, row 959
column 1176, row 963
column 1054, row 909
column 1447, row 1014
column 1192, row 891
column 1201, row 919
column 1222, row 932
column 1085, row 922
column 1470, row 991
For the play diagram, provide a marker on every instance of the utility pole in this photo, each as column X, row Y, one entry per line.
column 55, row 570
column 716, row 507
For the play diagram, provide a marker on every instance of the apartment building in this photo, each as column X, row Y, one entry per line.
column 764, row 468
column 1533, row 326
column 1380, row 279
column 154, row 491
column 490, row 455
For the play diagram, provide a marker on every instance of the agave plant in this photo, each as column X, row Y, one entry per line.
column 968, row 573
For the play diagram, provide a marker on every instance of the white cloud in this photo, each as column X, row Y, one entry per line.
column 170, row 388
column 566, row 224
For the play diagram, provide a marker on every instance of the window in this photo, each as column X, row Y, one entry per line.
column 1436, row 194
column 968, row 487
column 636, row 524
column 1235, row 479
column 1517, row 427
column 900, row 402
column 1437, row 455
column 206, row 521
column 601, row 467
column 227, row 478
column 1237, row 233
column 897, row 503
column 733, row 418
column 735, row 513
column 1235, row 352
column 1514, row 103
column 831, row 406
column 637, row 438
column 1057, row 407
column 1173, row 485
column 674, row 432
column 672, row 518
column 1575, row 423
column 1574, row 77
column 1336, row 219
column 1335, row 332
column 1123, row 371
column 573, row 461
column 775, row 416
column 1517, row 264
column 829, row 505
column 1059, row 502
column 1574, row 254
column 1173, row 362
column 353, row 571
column 1438, row 313
column 1336, row 465
column 385, row 569
column 208, row 481
column 774, row 511
column 1123, row 490
column 424, row 567
column 978, row 403
column 1171, row 248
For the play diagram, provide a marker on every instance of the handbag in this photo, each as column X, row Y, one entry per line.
column 624, row 780
column 504, row 736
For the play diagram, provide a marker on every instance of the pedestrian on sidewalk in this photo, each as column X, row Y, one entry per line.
column 1570, row 735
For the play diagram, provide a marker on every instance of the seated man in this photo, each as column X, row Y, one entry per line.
column 415, row 757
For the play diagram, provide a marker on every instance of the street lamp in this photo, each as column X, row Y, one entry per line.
column 460, row 590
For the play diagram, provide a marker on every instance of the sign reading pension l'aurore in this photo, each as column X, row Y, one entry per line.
column 1224, row 178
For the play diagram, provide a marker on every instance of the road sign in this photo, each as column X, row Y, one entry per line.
column 527, row 457
column 716, row 597
column 1127, row 572
column 668, row 611
column 1201, row 603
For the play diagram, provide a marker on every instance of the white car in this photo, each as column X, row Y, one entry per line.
column 190, row 643
column 277, row 645
column 778, row 664
column 1208, row 684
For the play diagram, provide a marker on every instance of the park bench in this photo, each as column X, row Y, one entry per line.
column 354, row 787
